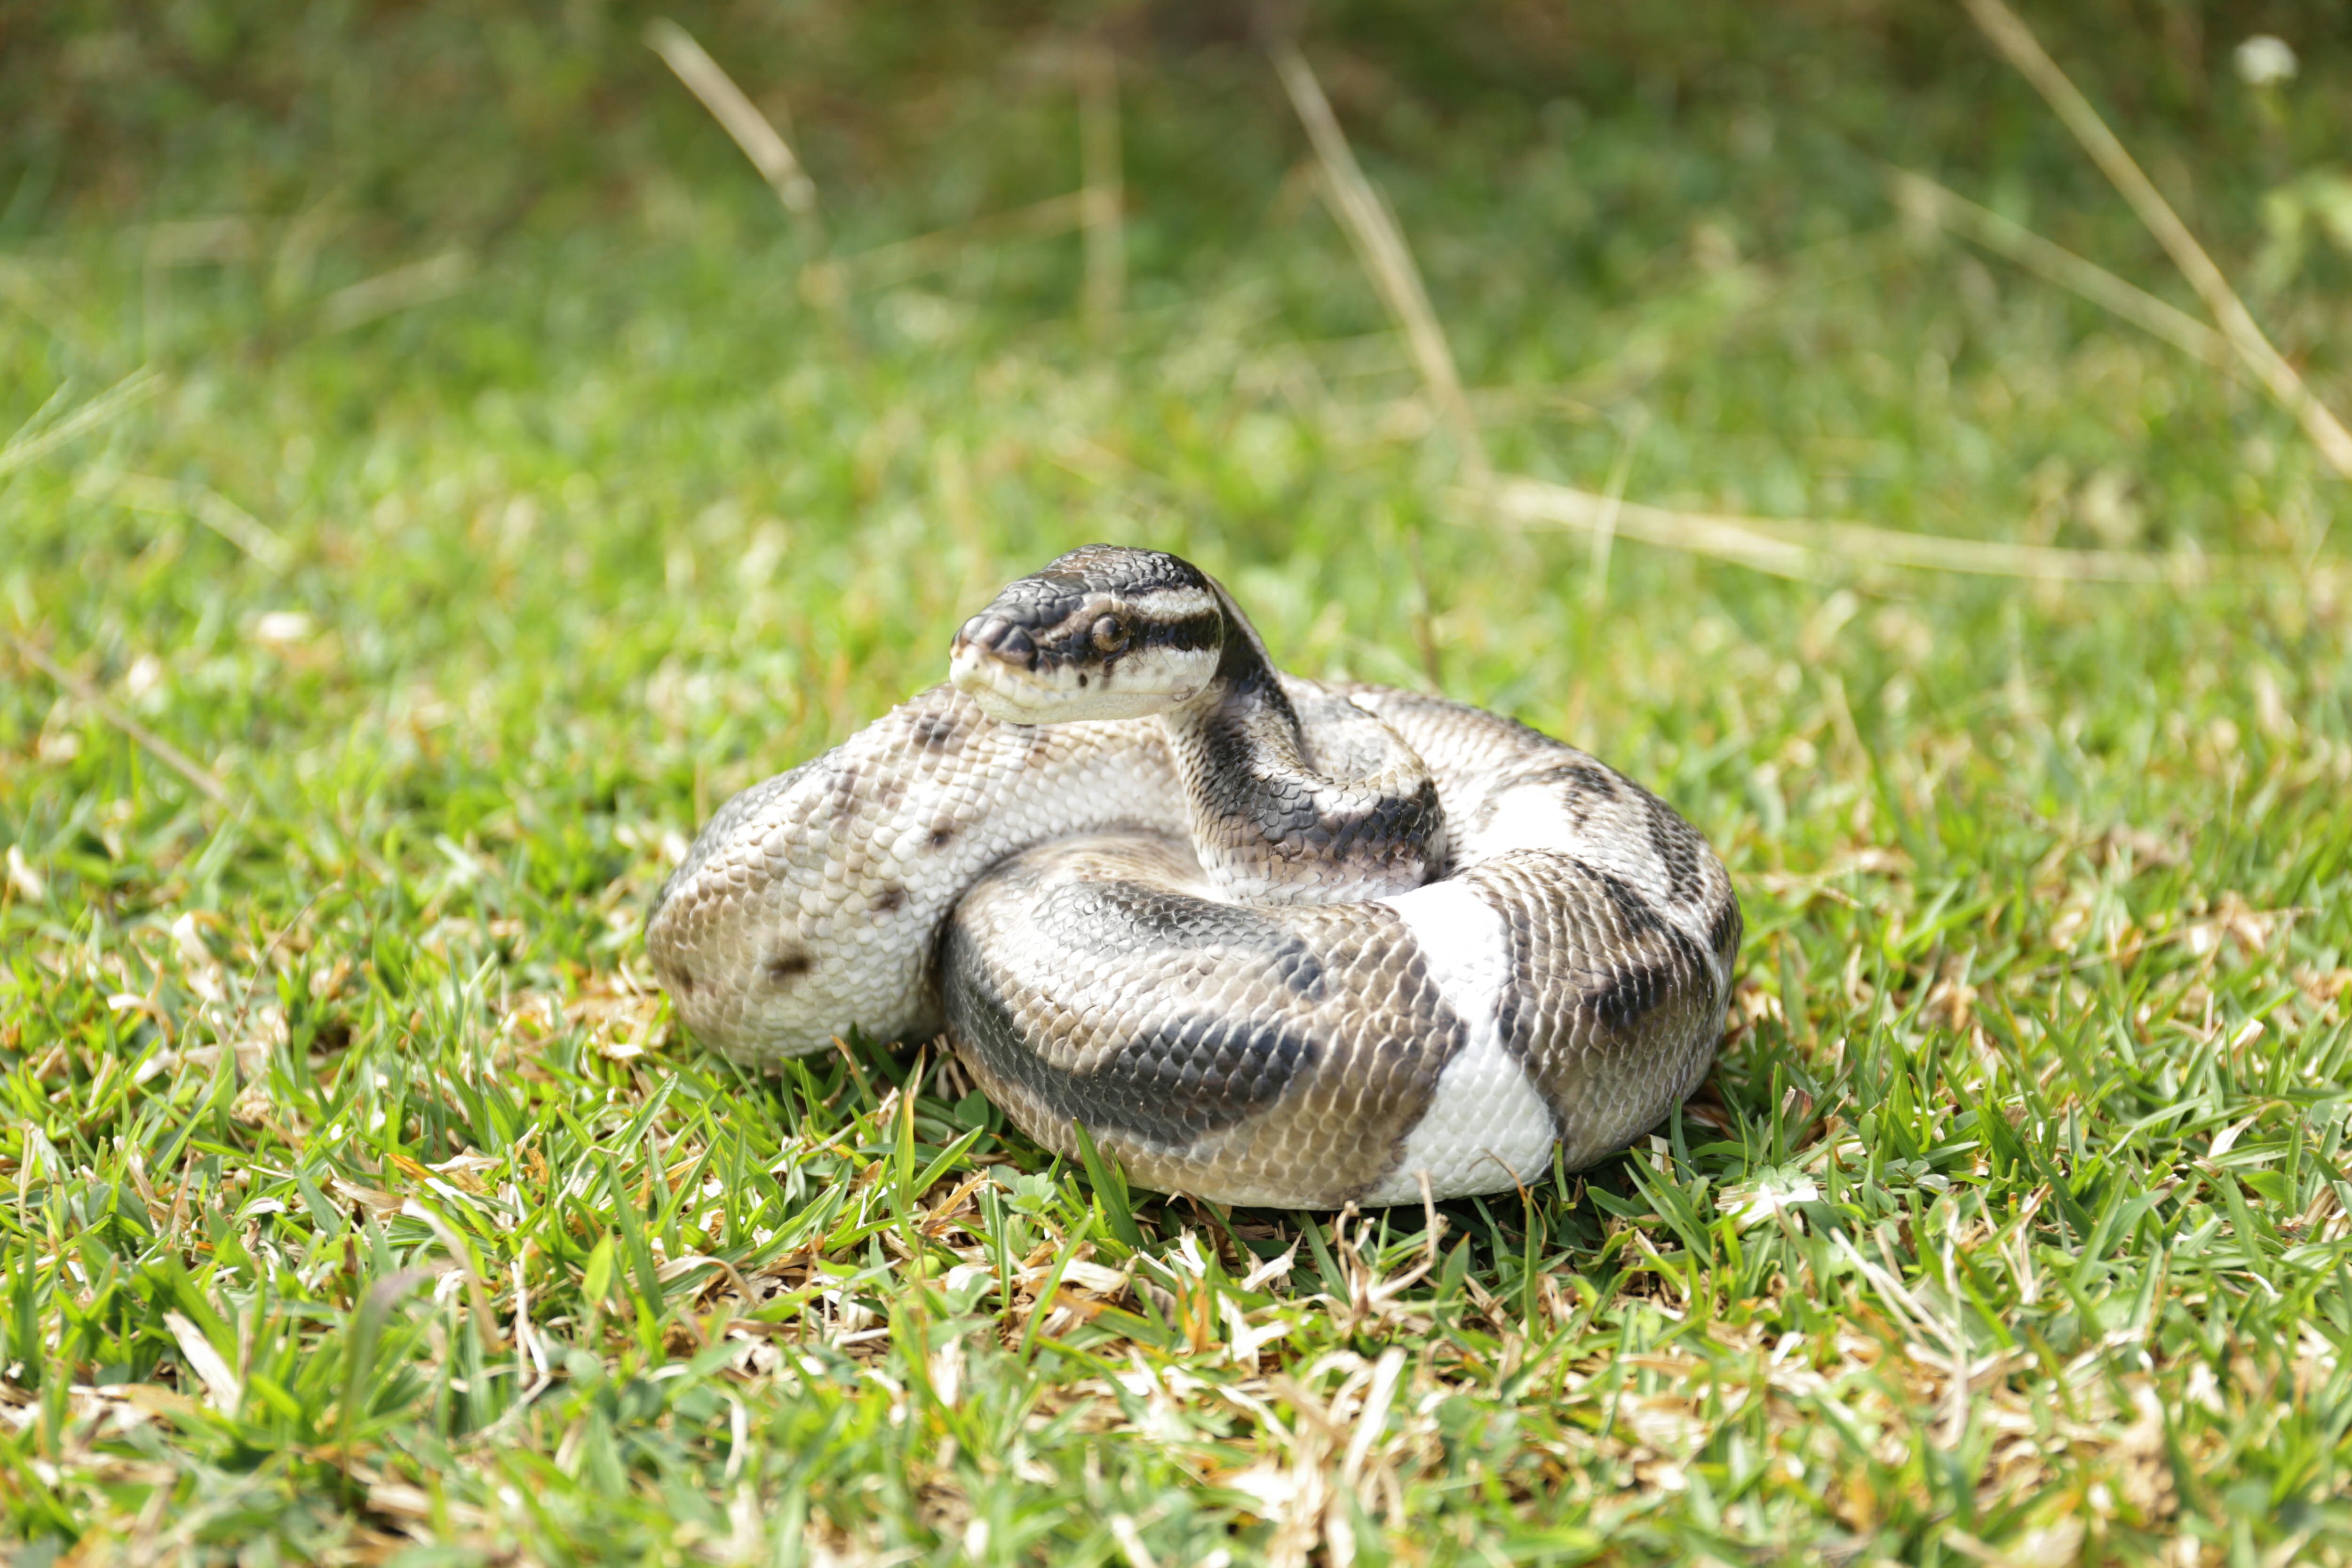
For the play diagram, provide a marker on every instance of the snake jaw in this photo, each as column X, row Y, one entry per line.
column 997, row 664
column 1011, row 693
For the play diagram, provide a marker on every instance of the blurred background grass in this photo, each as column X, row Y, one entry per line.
column 506, row 478
column 477, row 308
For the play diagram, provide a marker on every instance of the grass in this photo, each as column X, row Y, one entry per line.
column 500, row 501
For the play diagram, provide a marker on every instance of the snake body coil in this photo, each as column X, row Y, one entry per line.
column 1271, row 942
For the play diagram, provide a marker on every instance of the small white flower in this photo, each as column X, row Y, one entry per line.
column 2264, row 59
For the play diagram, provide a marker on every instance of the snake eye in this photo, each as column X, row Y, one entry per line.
column 1110, row 634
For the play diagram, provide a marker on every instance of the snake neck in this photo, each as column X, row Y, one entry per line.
column 1270, row 824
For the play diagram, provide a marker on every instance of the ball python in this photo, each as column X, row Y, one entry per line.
column 1270, row 941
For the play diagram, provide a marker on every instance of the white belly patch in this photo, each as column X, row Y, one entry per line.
column 1486, row 1126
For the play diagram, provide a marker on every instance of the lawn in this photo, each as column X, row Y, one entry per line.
column 438, row 472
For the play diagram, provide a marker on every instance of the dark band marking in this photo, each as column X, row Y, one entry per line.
column 1678, row 846
column 1120, row 919
column 1183, row 1081
column 1723, row 933
column 1190, row 634
column 1644, row 976
column 787, row 964
column 1385, row 828
column 1065, row 644
column 1296, row 818
column 1581, row 778
column 1629, row 992
column 1632, row 972
column 891, row 898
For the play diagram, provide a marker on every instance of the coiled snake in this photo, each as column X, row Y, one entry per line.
column 1270, row 941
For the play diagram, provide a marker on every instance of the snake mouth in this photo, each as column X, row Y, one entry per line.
column 1000, row 666
column 997, row 664
column 1014, row 684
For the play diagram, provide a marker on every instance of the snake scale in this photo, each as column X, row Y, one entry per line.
column 1270, row 941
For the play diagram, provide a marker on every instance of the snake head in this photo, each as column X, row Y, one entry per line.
column 1105, row 632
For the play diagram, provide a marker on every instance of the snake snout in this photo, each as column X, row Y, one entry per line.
column 994, row 637
column 996, row 661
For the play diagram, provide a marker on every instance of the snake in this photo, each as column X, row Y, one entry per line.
column 1264, row 940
